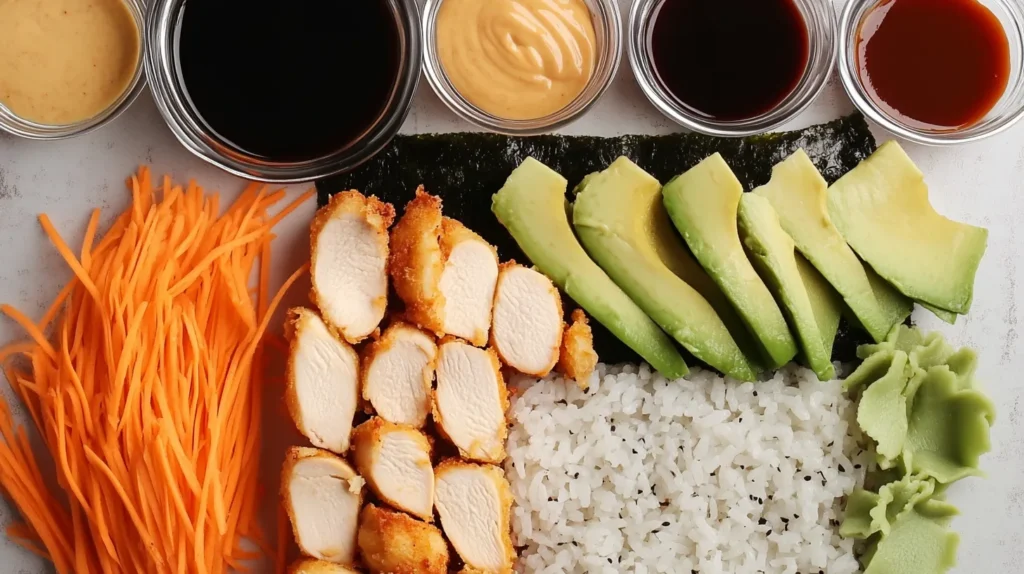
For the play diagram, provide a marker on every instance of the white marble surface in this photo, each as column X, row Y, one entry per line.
column 982, row 184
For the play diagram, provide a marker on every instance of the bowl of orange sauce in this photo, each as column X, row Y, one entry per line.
column 68, row 67
column 936, row 72
column 521, row 67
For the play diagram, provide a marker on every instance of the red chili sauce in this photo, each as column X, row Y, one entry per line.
column 933, row 64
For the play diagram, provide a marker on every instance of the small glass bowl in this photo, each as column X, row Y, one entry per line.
column 608, row 33
column 28, row 129
column 162, row 67
column 819, row 17
column 1007, row 111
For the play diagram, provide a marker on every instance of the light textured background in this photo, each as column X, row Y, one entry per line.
column 981, row 184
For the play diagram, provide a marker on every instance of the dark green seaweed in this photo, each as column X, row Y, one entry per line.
column 466, row 169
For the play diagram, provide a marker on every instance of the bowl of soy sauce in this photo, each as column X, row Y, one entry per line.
column 283, row 90
column 732, row 68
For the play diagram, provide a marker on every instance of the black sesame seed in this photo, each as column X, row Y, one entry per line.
column 664, row 523
column 639, row 492
column 609, row 560
column 634, row 451
column 796, row 516
column 831, row 443
column 807, row 478
column 785, row 520
column 762, row 521
column 769, row 533
column 741, row 419
column 857, row 466
column 577, row 475
column 755, row 393
column 841, row 469
column 613, row 428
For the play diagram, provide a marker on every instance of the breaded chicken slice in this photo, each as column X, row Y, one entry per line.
column 467, row 282
column 314, row 566
column 395, row 461
column 416, row 262
column 444, row 272
column 394, row 543
column 474, row 502
column 398, row 373
column 471, row 400
column 349, row 250
column 578, row 359
column 322, row 391
column 322, row 495
column 527, row 325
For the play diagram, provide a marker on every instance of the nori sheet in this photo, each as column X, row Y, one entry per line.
column 466, row 169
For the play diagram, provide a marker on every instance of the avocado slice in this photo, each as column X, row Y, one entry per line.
column 532, row 206
column 798, row 193
column 622, row 224
column 825, row 301
column 881, row 208
column 702, row 204
column 773, row 254
column 947, row 316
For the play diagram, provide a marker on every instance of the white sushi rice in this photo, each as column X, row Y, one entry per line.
column 705, row 474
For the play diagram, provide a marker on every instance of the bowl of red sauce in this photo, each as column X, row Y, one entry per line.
column 732, row 68
column 936, row 72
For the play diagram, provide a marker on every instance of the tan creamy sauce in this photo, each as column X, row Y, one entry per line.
column 64, row 61
column 517, row 59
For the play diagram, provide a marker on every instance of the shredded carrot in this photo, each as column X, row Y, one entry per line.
column 144, row 380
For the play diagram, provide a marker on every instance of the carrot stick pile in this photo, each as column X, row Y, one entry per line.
column 143, row 380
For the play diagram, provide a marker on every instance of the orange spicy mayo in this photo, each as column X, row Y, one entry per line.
column 517, row 59
column 64, row 61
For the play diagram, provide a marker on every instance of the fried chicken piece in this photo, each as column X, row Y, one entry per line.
column 471, row 400
column 578, row 358
column 444, row 272
column 314, row 566
column 467, row 282
column 398, row 372
column 474, row 502
column 395, row 461
column 416, row 262
column 395, row 543
column 527, row 326
column 323, row 381
column 322, row 495
column 349, row 250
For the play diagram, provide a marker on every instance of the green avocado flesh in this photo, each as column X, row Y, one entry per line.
column 881, row 208
column 532, row 206
column 703, row 204
column 619, row 218
column 774, row 255
column 798, row 193
column 921, row 405
column 825, row 302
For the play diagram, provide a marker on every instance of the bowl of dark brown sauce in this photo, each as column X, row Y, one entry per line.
column 936, row 72
column 283, row 91
column 732, row 68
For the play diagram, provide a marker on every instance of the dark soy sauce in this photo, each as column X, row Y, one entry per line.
column 934, row 63
column 729, row 59
column 289, row 80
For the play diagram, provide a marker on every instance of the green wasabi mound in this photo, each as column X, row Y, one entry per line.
column 703, row 204
column 881, row 208
column 621, row 222
column 906, row 527
column 532, row 206
column 921, row 405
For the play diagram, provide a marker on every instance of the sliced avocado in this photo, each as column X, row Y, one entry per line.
column 881, row 208
column 826, row 302
column 798, row 193
column 702, row 204
column 947, row 316
column 621, row 222
column 532, row 206
column 773, row 254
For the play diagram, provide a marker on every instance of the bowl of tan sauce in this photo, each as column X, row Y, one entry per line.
column 67, row 66
column 520, row 67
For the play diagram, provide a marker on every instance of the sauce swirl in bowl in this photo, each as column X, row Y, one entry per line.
column 517, row 59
